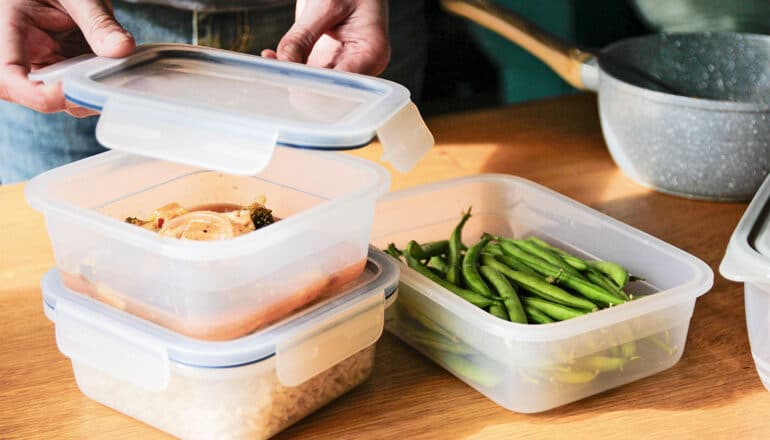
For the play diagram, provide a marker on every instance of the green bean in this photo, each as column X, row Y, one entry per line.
column 539, row 287
column 425, row 321
column 655, row 340
column 516, row 265
column 439, row 263
column 436, row 342
column 577, row 263
column 492, row 249
column 472, row 371
column 614, row 271
column 536, row 316
column 393, row 251
column 558, row 312
column 569, row 375
column 468, row 295
column 427, row 250
column 515, row 311
column 583, row 287
column 629, row 349
column 455, row 250
column 600, row 280
column 590, row 272
column 471, row 272
column 498, row 310
column 437, row 272
column 544, row 254
column 602, row 364
column 612, row 339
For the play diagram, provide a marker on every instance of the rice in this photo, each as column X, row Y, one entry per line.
column 225, row 403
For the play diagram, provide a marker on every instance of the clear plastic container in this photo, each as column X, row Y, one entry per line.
column 252, row 387
column 747, row 260
column 212, row 290
column 533, row 368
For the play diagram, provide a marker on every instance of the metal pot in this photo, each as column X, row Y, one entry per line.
column 705, row 15
column 684, row 114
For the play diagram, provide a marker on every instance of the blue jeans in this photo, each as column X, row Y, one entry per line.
column 31, row 142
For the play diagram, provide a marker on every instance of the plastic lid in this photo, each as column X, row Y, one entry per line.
column 748, row 253
column 304, row 344
column 227, row 111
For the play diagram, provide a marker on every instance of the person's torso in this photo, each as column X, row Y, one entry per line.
column 216, row 5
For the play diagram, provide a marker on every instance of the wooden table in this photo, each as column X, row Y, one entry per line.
column 713, row 391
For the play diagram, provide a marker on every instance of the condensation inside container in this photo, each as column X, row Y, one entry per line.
column 252, row 89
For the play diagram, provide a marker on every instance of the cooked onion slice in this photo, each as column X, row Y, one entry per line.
column 198, row 225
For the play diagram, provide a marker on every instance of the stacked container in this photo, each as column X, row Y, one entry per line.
column 244, row 336
column 250, row 387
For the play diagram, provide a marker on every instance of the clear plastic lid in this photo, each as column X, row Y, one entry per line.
column 303, row 345
column 227, row 111
column 747, row 258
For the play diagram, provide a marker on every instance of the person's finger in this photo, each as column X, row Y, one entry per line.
column 370, row 58
column 316, row 18
column 269, row 53
column 105, row 36
column 15, row 87
column 14, row 67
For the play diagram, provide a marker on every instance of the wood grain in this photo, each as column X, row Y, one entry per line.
column 712, row 392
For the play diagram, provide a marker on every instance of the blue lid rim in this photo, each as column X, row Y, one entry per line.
column 98, row 108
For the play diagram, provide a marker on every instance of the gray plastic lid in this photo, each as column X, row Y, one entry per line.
column 227, row 111
column 140, row 351
column 747, row 258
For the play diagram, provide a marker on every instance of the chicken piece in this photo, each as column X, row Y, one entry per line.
column 209, row 222
column 199, row 225
column 159, row 217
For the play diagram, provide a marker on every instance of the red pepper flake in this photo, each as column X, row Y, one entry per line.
column 160, row 222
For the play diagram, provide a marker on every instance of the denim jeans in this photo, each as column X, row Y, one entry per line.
column 31, row 142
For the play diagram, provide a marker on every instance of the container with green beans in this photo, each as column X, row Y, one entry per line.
column 551, row 301
column 528, row 282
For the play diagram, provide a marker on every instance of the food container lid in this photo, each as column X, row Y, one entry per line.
column 227, row 111
column 747, row 258
column 305, row 344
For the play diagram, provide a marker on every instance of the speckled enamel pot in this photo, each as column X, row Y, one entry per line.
column 714, row 147
column 684, row 114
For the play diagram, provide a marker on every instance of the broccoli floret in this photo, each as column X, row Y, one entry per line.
column 261, row 216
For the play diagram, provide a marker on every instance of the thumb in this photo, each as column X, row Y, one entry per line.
column 96, row 20
column 316, row 18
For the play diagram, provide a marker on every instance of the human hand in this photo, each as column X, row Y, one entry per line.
column 349, row 35
column 37, row 33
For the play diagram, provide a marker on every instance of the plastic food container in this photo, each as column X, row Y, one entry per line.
column 533, row 368
column 202, row 126
column 747, row 260
column 216, row 289
column 252, row 387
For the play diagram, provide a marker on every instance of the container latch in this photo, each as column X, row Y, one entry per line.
column 405, row 138
column 324, row 342
column 199, row 138
column 113, row 347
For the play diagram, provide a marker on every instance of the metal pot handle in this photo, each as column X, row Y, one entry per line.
column 564, row 58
